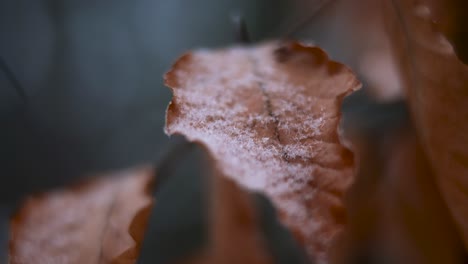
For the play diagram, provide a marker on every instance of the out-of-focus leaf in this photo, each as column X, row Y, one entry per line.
column 396, row 213
column 353, row 33
column 450, row 17
column 84, row 224
column 269, row 116
column 235, row 235
column 137, row 231
column 436, row 84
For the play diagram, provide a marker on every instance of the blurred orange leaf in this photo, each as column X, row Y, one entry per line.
column 235, row 235
column 396, row 213
column 84, row 224
column 436, row 84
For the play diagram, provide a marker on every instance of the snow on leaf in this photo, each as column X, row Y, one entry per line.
column 84, row 224
column 269, row 116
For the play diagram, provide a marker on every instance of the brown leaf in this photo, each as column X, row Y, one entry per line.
column 85, row 224
column 269, row 116
column 353, row 31
column 436, row 83
column 137, row 231
column 450, row 17
column 396, row 213
column 235, row 235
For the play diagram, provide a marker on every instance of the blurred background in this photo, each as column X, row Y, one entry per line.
column 91, row 73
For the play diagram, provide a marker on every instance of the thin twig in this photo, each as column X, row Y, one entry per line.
column 309, row 19
column 13, row 80
column 242, row 33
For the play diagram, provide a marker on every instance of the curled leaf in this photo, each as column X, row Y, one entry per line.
column 85, row 224
column 395, row 210
column 436, row 84
column 269, row 115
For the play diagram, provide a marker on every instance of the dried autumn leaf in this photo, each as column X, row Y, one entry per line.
column 137, row 231
column 236, row 236
column 85, row 224
column 353, row 32
column 450, row 18
column 436, row 83
column 396, row 213
column 269, row 116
